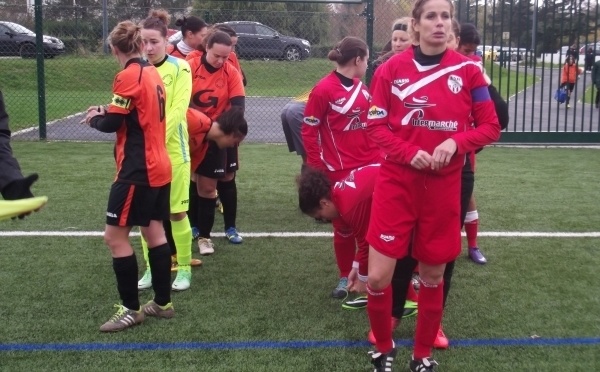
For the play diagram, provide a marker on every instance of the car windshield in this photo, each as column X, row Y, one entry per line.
column 20, row 29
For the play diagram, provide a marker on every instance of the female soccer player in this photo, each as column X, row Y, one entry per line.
column 177, row 80
column 216, row 86
column 139, row 195
column 334, row 134
column 193, row 32
column 423, row 102
column 400, row 41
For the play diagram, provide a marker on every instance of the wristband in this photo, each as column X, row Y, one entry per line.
column 355, row 264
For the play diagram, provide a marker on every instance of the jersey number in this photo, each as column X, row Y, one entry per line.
column 161, row 102
column 211, row 101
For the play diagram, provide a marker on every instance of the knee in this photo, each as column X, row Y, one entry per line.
column 378, row 280
column 431, row 278
column 228, row 177
column 206, row 189
column 178, row 216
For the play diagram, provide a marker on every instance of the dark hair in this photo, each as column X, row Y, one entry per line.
column 217, row 37
column 469, row 34
column 226, row 29
column 191, row 23
column 346, row 50
column 400, row 27
column 313, row 185
column 158, row 19
column 126, row 37
column 232, row 121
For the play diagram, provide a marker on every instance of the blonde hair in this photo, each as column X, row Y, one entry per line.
column 126, row 37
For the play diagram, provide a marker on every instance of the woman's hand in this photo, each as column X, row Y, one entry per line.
column 91, row 112
column 421, row 160
column 443, row 154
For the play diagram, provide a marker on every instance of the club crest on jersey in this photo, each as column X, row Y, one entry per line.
column 220, row 83
column 376, row 113
column 455, row 83
column 311, row 120
column 168, row 80
column 121, row 102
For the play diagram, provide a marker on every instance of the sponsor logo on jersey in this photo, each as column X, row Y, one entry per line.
column 311, row 120
column 340, row 101
column 443, row 125
column 455, row 83
column 121, row 102
column 400, row 82
column 376, row 113
column 387, row 238
column 111, row 215
column 187, row 201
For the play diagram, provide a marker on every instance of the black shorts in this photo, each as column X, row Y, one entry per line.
column 218, row 162
column 134, row 205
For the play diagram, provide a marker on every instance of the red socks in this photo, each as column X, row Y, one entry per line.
column 344, row 246
column 429, row 318
column 379, row 309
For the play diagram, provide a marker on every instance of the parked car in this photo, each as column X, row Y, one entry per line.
column 256, row 40
column 490, row 52
column 594, row 46
column 16, row 40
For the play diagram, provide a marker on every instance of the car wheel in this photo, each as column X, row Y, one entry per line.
column 293, row 54
column 27, row 50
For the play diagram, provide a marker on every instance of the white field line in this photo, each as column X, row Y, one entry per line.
column 31, row 129
column 498, row 234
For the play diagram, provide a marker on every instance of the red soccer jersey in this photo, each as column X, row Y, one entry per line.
column 417, row 107
column 140, row 150
column 352, row 197
column 212, row 89
column 335, row 119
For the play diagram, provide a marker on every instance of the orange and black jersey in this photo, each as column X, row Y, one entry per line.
column 137, row 115
column 215, row 90
column 198, row 126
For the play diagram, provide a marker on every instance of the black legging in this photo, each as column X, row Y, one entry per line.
column 406, row 266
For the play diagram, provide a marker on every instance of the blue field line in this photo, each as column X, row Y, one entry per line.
column 253, row 345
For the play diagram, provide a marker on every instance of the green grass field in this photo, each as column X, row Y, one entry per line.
column 75, row 83
column 251, row 306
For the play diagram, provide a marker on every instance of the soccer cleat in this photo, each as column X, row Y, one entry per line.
column 476, row 256
column 394, row 325
column 341, row 291
column 195, row 233
column 21, row 207
column 411, row 308
column 183, row 279
column 195, row 262
column 441, row 341
column 357, row 303
column 153, row 309
column 123, row 318
column 219, row 205
column 146, row 281
column 383, row 362
column 422, row 365
column 232, row 235
column 206, row 246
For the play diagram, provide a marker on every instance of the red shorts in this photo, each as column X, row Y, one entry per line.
column 409, row 204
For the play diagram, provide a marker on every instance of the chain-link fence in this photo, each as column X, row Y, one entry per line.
column 283, row 50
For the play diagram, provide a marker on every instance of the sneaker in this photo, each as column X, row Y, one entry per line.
column 383, row 362
column 341, row 291
column 357, row 303
column 422, row 365
column 441, row 341
column 123, row 318
column 232, row 235
column 195, row 262
column 153, row 309
column 411, row 308
column 206, row 246
column 476, row 256
column 146, row 281
column 182, row 280
column 394, row 325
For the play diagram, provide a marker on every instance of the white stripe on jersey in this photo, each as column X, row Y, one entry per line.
column 349, row 103
column 412, row 88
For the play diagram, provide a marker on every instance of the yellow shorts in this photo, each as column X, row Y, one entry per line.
column 180, row 188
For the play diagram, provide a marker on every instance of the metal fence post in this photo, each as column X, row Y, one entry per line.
column 41, row 88
column 369, row 14
column 104, row 25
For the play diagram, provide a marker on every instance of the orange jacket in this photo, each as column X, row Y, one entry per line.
column 569, row 74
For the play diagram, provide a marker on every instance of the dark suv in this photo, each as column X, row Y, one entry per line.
column 256, row 40
column 16, row 40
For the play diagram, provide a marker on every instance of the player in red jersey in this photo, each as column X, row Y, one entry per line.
column 139, row 195
column 216, row 86
column 334, row 133
column 424, row 101
column 193, row 32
